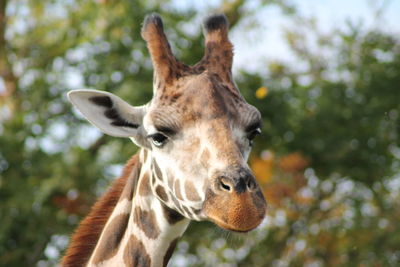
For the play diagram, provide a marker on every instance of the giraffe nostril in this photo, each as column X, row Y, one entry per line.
column 250, row 184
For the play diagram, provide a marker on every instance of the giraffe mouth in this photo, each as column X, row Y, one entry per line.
column 235, row 212
column 229, row 227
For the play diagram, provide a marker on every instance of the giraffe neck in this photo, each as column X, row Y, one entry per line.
column 141, row 230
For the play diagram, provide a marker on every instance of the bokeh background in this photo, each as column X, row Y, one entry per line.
column 324, row 74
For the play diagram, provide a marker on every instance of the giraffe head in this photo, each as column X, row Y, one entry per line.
column 197, row 130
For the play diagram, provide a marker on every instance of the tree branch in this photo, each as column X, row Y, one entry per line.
column 6, row 72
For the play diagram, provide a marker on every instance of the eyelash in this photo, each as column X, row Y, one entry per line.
column 253, row 134
column 158, row 139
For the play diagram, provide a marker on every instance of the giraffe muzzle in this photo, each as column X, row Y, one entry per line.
column 235, row 204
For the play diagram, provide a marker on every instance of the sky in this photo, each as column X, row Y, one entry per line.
column 266, row 42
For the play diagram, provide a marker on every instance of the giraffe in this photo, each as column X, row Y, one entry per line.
column 195, row 136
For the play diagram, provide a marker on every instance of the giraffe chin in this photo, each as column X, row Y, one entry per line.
column 228, row 227
column 235, row 212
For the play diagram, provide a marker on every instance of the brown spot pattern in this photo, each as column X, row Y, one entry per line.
column 195, row 144
column 131, row 185
column 157, row 170
column 178, row 193
column 86, row 236
column 111, row 238
column 171, row 215
column 161, row 193
column 195, row 211
column 191, row 192
column 177, row 204
column 144, row 185
column 205, row 157
column 169, row 252
column 135, row 253
column 128, row 191
column 146, row 220
column 144, row 155
column 175, row 97
column 170, row 179
column 186, row 210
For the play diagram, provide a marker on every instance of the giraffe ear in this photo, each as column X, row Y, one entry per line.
column 109, row 113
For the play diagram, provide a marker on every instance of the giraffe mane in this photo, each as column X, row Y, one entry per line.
column 86, row 236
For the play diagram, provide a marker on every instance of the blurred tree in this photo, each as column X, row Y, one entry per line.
column 331, row 124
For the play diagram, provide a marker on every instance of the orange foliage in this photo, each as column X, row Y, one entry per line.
column 281, row 178
column 263, row 167
column 303, row 200
column 294, row 162
column 276, row 192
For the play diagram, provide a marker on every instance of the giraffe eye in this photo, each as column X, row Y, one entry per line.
column 158, row 139
column 253, row 135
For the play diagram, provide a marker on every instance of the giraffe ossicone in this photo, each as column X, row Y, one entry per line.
column 195, row 137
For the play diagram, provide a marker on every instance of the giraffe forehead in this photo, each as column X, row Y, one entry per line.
column 200, row 98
